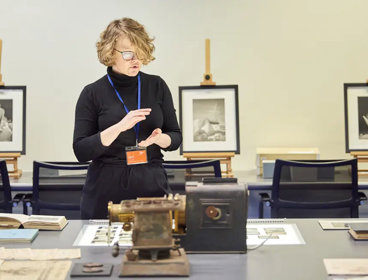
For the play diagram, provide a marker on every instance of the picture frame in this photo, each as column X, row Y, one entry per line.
column 209, row 118
column 356, row 116
column 13, row 119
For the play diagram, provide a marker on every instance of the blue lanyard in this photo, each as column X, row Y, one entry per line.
column 136, row 127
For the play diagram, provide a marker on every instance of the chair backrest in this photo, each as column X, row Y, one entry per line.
column 6, row 204
column 197, row 164
column 203, row 169
column 57, row 188
column 315, row 189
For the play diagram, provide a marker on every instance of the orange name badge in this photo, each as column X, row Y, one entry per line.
column 136, row 155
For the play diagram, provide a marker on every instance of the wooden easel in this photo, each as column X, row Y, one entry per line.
column 362, row 157
column 207, row 76
column 10, row 158
column 1, row 76
column 224, row 157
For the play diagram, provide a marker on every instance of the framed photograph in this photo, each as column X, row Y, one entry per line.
column 356, row 117
column 209, row 119
column 13, row 119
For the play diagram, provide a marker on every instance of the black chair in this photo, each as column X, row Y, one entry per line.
column 6, row 201
column 55, row 193
column 314, row 189
column 189, row 164
column 183, row 171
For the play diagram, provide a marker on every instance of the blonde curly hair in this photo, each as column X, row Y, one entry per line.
column 134, row 31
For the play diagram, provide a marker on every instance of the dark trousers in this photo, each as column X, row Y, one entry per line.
column 116, row 182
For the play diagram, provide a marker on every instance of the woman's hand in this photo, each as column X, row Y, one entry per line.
column 133, row 117
column 152, row 139
column 157, row 137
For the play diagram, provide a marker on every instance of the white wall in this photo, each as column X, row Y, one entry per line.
column 290, row 59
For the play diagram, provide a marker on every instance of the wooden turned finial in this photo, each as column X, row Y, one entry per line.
column 207, row 76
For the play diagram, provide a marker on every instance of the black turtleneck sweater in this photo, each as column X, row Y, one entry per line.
column 98, row 108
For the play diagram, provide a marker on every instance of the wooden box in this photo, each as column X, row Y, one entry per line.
column 284, row 153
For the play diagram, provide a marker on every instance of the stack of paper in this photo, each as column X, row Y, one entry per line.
column 346, row 267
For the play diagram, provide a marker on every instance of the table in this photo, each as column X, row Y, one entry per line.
column 288, row 262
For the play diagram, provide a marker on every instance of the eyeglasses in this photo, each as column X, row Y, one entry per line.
column 127, row 55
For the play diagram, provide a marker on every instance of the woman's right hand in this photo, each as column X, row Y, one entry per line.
column 131, row 119
column 134, row 117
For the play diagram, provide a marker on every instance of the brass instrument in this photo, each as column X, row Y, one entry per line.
column 153, row 243
column 209, row 218
column 118, row 213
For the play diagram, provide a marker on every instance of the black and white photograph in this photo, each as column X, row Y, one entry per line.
column 363, row 117
column 209, row 118
column 356, row 116
column 12, row 119
column 6, row 116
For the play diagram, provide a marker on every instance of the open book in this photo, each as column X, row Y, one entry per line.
column 8, row 220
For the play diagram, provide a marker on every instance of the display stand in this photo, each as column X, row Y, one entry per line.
column 1, row 76
column 12, row 159
column 207, row 76
column 362, row 157
column 224, row 157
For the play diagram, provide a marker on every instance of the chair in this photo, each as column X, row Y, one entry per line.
column 55, row 193
column 6, row 201
column 189, row 164
column 314, row 189
column 204, row 168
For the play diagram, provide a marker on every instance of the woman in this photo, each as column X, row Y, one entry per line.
column 126, row 110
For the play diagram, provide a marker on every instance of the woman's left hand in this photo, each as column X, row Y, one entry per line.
column 152, row 139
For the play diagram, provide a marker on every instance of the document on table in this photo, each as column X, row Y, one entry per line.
column 39, row 254
column 35, row 270
column 266, row 221
column 275, row 234
column 332, row 224
column 347, row 267
column 97, row 235
column 347, row 278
